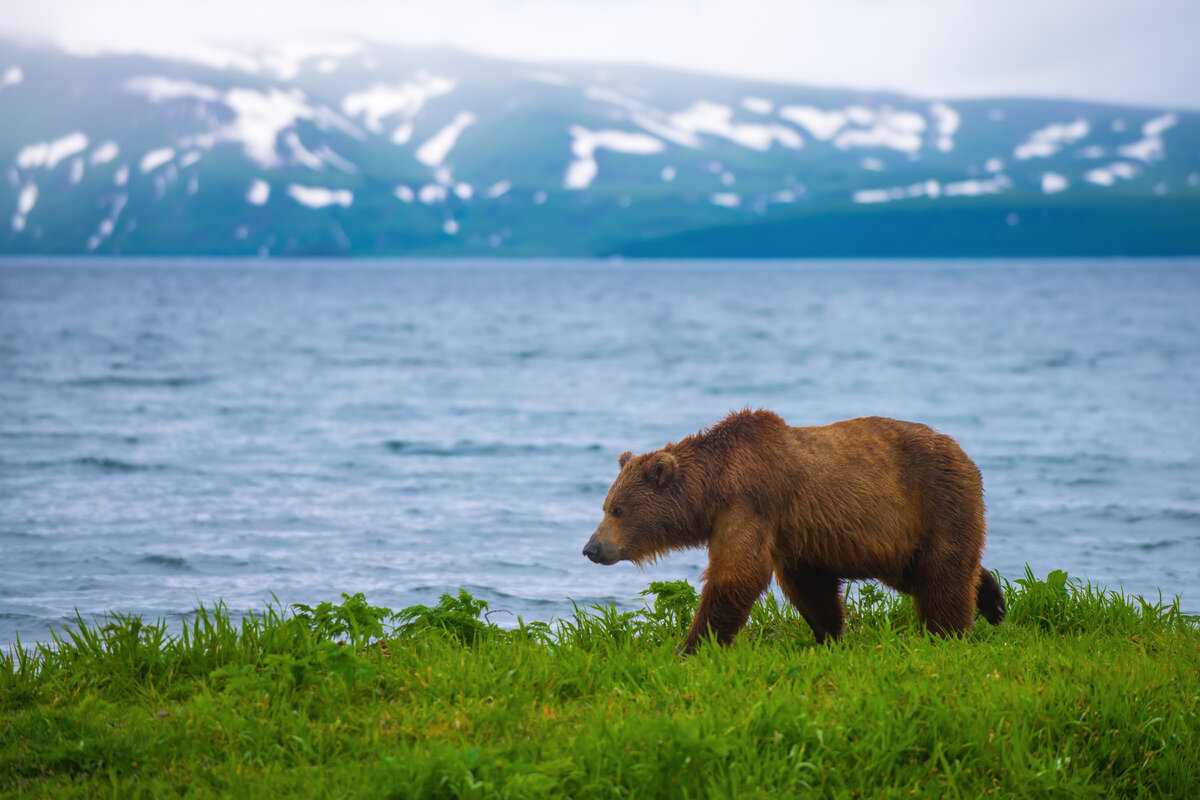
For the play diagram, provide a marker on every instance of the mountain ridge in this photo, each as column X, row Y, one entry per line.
column 385, row 151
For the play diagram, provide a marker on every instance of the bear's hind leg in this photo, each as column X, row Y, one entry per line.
column 945, row 610
column 988, row 597
column 817, row 596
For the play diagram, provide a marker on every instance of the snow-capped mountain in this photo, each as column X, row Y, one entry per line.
column 374, row 150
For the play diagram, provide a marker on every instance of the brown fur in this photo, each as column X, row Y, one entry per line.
column 865, row 498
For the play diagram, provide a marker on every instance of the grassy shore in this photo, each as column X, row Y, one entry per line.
column 1079, row 693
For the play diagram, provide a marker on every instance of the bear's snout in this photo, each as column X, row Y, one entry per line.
column 600, row 552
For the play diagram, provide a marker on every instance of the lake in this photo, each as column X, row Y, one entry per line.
column 176, row 432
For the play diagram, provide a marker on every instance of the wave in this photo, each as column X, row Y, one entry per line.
column 758, row 389
column 57, row 436
column 171, row 562
column 116, row 465
column 132, row 382
column 8, row 534
column 1159, row 544
column 101, row 463
column 1132, row 515
column 467, row 447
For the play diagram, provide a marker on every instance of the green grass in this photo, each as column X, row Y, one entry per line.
column 1080, row 693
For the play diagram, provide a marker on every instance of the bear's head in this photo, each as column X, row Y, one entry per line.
column 644, row 513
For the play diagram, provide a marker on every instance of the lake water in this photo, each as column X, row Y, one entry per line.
column 176, row 432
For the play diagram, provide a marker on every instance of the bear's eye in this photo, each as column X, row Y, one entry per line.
column 616, row 512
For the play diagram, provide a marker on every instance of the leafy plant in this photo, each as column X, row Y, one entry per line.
column 674, row 604
column 353, row 618
column 457, row 616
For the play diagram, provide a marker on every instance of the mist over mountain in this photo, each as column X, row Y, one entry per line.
column 374, row 150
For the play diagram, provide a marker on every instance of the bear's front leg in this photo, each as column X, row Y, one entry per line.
column 723, row 610
column 739, row 571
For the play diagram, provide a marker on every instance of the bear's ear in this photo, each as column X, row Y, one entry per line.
column 661, row 469
column 623, row 459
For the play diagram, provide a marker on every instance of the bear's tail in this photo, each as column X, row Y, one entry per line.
column 988, row 597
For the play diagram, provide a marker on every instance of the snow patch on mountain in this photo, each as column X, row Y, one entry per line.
column 432, row 193
column 76, row 174
column 868, row 196
column 159, row 89
column 326, row 118
column 1051, row 139
column 758, row 105
column 164, row 179
column 50, row 154
column 664, row 130
column 105, row 153
column 975, row 187
column 403, row 133
column 582, row 171
column 319, row 196
column 121, row 177
column 109, row 223
column 435, row 150
column 26, row 200
column 156, row 158
column 603, row 94
column 726, row 199
column 898, row 130
column 407, row 99
column 821, row 125
column 1053, row 183
column 286, row 59
column 301, row 154
column 1150, row 147
column 258, row 193
column 261, row 117
column 645, row 116
column 1158, row 125
column 1107, row 176
column 12, row 76
column 337, row 161
column 716, row 119
column 934, row 189
column 498, row 189
column 946, row 122
column 318, row 160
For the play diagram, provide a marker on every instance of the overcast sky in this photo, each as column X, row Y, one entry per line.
column 1134, row 51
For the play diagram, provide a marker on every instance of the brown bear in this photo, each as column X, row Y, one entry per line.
column 864, row 498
